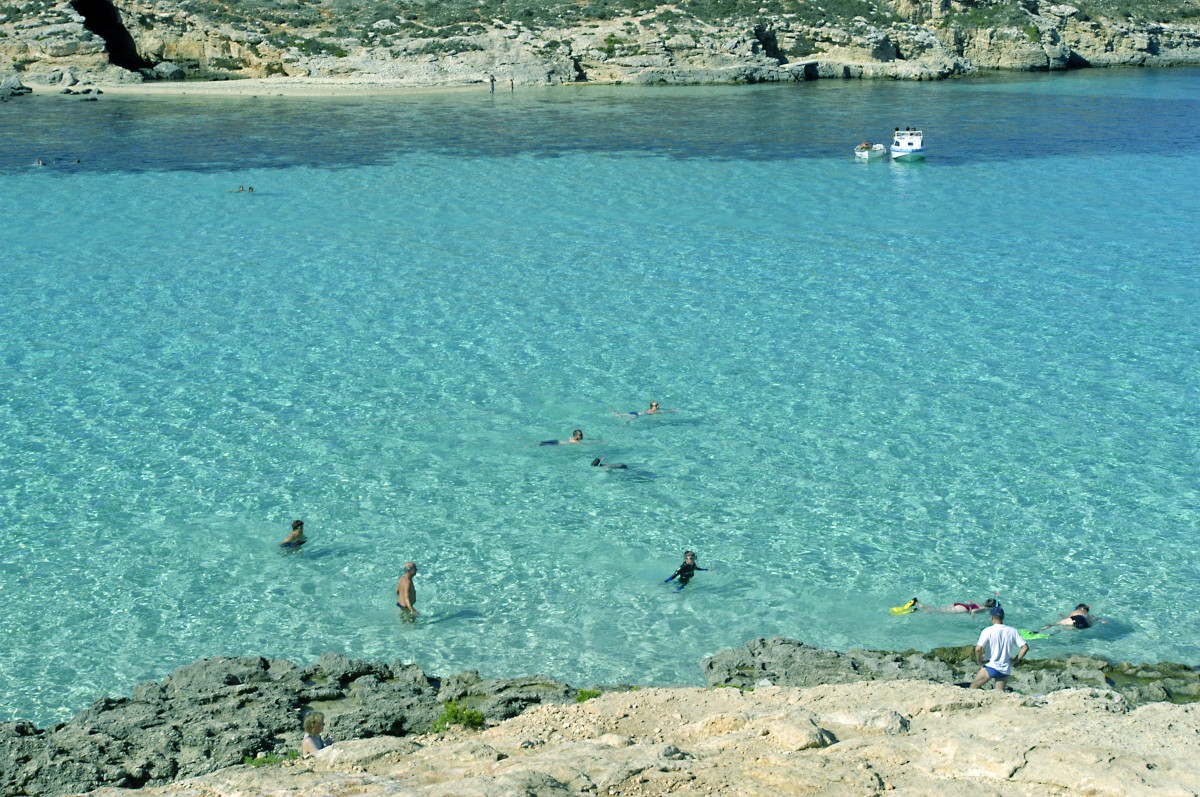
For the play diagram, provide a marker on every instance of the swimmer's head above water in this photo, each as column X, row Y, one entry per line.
column 577, row 436
column 599, row 462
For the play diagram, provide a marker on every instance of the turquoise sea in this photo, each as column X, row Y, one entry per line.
column 948, row 379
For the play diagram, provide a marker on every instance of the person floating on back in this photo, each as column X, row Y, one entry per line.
column 685, row 571
column 999, row 640
column 296, row 538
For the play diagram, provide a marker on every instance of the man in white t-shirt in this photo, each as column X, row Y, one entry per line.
column 999, row 640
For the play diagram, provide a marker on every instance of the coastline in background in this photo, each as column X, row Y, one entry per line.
column 532, row 44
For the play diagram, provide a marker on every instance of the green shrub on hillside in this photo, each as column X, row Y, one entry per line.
column 450, row 19
column 447, row 47
column 1184, row 11
column 988, row 16
column 454, row 714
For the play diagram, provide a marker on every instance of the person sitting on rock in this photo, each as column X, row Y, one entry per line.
column 314, row 723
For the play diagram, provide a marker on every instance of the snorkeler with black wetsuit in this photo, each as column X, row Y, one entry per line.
column 686, row 570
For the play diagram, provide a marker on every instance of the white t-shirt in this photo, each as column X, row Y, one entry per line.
column 1001, row 642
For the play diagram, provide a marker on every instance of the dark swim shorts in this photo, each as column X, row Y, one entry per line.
column 1080, row 621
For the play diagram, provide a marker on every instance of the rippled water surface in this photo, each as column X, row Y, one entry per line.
column 948, row 379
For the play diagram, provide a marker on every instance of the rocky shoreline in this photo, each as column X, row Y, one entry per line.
column 97, row 42
column 218, row 712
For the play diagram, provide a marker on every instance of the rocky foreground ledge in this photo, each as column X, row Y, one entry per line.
column 903, row 738
column 798, row 720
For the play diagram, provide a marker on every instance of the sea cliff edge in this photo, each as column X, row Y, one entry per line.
column 777, row 717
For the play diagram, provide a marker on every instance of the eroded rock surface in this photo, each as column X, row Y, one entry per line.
column 53, row 42
column 903, row 737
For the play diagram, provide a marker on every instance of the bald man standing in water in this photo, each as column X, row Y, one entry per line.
column 406, row 593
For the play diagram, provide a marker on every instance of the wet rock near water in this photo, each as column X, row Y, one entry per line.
column 789, row 662
column 11, row 86
column 217, row 712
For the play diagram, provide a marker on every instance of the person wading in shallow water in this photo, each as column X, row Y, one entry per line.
column 296, row 538
column 686, row 570
column 406, row 593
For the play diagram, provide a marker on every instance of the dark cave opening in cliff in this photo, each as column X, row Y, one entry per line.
column 102, row 19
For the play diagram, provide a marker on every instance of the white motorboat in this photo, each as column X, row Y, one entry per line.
column 867, row 151
column 908, row 145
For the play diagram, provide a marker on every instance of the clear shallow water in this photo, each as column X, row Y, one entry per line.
column 947, row 379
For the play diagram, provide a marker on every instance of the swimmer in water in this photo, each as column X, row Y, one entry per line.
column 957, row 608
column 686, row 570
column 599, row 462
column 654, row 409
column 576, row 437
column 1081, row 617
column 296, row 538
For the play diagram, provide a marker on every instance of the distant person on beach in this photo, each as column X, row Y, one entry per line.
column 599, row 462
column 296, row 538
column 1081, row 617
column 685, row 571
column 957, row 608
column 492, row 83
column 576, row 437
column 654, row 409
column 999, row 640
column 406, row 593
column 314, row 723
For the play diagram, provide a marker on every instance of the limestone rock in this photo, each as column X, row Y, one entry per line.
column 11, row 86
column 788, row 662
column 826, row 740
column 165, row 70
column 904, row 39
column 216, row 712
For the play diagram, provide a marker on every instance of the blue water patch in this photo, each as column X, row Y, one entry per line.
column 948, row 379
